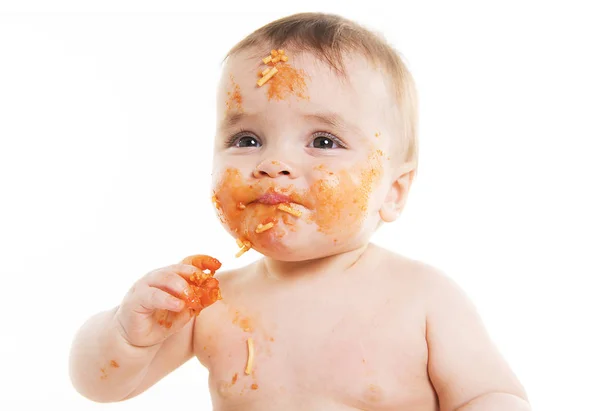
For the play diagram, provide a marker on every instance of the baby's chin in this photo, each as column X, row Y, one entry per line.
column 298, row 243
column 293, row 252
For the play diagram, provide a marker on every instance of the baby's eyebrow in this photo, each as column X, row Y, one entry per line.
column 329, row 119
column 333, row 120
column 231, row 119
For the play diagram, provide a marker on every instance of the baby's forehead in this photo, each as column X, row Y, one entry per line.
column 305, row 81
column 358, row 75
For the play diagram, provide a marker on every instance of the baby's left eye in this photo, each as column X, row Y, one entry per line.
column 326, row 142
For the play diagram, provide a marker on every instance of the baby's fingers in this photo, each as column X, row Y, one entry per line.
column 154, row 298
column 170, row 280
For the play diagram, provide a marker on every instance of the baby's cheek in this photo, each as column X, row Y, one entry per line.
column 342, row 198
column 338, row 211
column 230, row 193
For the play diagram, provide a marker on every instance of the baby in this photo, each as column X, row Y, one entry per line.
column 316, row 147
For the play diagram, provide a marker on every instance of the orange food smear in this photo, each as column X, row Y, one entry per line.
column 203, row 288
column 245, row 323
column 233, row 195
column 218, row 208
column 162, row 318
column 338, row 202
column 114, row 364
column 234, row 378
column 288, row 81
column 335, row 213
column 254, row 386
column 234, row 98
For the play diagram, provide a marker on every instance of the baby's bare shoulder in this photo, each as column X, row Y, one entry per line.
column 434, row 288
column 399, row 268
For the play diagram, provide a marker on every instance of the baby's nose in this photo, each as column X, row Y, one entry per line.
column 273, row 169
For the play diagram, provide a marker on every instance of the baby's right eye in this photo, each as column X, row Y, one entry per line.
column 243, row 141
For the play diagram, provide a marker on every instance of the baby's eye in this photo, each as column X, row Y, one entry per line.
column 326, row 141
column 247, row 141
column 243, row 141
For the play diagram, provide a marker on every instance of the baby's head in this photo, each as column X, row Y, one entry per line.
column 331, row 134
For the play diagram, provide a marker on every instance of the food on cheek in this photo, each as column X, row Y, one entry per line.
column 244, row 245
column 218, row 208
column 263, row 227
column 342, row 198
column 338, row 203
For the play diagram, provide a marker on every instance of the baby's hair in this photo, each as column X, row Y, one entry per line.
column 330, row 37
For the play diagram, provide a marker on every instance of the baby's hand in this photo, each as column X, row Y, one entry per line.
column 165, row 300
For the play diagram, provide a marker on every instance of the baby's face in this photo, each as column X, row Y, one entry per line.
column 307, row 138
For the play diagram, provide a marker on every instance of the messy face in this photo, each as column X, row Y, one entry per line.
column 301, row 162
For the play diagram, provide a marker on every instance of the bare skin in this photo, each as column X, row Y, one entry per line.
column 336, row 322
column 352, row 339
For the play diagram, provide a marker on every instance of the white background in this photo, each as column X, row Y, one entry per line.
column 106, row 125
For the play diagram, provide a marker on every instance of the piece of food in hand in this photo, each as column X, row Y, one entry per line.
column 203, row 286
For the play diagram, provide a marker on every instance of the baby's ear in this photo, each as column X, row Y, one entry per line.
column 398, row 193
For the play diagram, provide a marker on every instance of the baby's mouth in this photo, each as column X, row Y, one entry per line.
column 273, row 198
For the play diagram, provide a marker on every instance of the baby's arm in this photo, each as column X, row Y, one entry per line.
column 120, row 353
column 465, row 367
column 99, row 342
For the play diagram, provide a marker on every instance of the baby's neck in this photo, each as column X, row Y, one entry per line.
column 337, row 263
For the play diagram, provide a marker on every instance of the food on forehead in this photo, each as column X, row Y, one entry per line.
column 275, row 57
column 234, row 98
column 203, row 287
column 274, row 53
column 250, row 362
column 266, row 77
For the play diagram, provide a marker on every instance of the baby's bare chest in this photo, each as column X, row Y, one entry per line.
column 351, row 349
